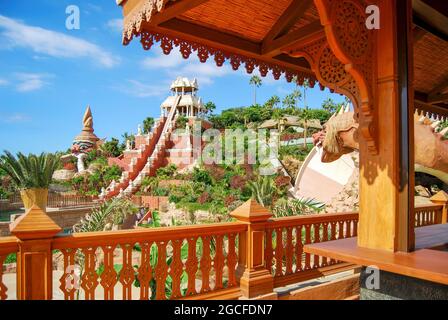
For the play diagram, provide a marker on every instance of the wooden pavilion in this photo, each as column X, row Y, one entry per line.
column 388, row 56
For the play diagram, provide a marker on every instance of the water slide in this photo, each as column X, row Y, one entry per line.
column 148, row 158
column 323, row 181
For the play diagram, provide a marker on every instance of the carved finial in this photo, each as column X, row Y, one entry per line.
column 87, row 120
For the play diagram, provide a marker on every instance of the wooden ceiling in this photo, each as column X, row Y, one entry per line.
column 262, row 29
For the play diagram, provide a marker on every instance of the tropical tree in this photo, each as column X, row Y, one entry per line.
column 305, row 116
column 273, row 102
column 29, row 172
column 330, row 106
column 112, row 148
column 148, row 123
column 256, row 82
column 209, row 108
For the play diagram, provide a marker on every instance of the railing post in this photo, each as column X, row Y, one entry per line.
column 255, row 280
column 441, row 198
column 35, row 230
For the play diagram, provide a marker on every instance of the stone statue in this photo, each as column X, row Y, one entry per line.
column 139, row 130
column 431, row 146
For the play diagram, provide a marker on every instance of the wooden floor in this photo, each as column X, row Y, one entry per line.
column 428, row 262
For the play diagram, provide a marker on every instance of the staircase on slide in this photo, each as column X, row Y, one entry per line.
column 147, row 158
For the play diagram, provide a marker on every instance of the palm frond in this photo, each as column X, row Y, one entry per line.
column 29, row 171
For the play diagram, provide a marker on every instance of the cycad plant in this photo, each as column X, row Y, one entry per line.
column 263, row 190
column 296, row 207
column 107, row 216
column 31, row 174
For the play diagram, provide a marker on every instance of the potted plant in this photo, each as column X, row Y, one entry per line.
column 31, row 174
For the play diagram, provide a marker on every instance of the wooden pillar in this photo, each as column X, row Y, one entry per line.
column 255, row 280
column 35, row 230
column 441, row 198
column 386, row 178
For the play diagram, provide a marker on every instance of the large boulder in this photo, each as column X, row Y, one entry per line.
column 63, row 175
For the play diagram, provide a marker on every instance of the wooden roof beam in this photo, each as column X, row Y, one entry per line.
column 429, row 19
column 276, row 46
column 440, row 98
column 419, row 33
column 441, row 88
column 295, row 11
column 174, row 10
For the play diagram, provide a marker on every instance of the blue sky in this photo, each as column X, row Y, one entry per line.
column 49, row 74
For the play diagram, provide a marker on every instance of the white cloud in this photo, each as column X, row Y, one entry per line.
column 3, row 82
column 142, row 90
column 55, row 44
column 116, row 25
column 31, row 81
column 16, row 118
column 175, row 65
column 163, row 61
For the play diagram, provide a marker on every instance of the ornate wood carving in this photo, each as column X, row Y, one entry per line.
column 186, row 48
column 345, row 60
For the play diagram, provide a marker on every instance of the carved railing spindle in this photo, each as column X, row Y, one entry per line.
column 176, row 269
column 307, row 241
column 3, row 288
column 279, row 252
column 289, row 251
column 127, row 271
column 232, row 260
column 161, row 271
column 89, row 279
column 145, row 270
column 191, row 266
column 205, row 265
column 269, row 250
column 69, row 280
column 108, row 276
column 299, row 249
column 218, row 262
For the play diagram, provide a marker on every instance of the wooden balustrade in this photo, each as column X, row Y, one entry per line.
column 8, row 245
column 428, row 215
column 165, row 263
column 247, row 258
column 285, row 238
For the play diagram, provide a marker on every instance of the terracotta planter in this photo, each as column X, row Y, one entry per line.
column 38, row 197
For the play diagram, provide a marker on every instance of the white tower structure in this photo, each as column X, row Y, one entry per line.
column 190, row 105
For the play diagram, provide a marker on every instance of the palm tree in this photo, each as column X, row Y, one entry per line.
column 256, row 82
column 147, row 125
column 30, row 171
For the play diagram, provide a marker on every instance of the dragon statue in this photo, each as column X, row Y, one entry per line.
column 340, row 136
